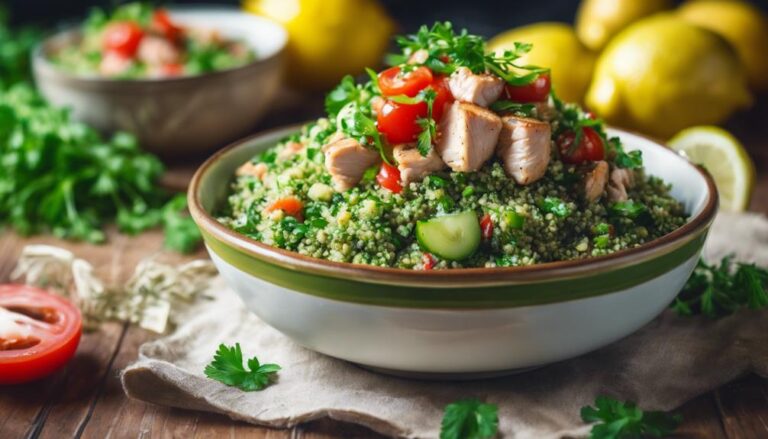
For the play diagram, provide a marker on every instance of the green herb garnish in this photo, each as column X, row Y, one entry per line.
column 555, row 206
column 721, row 289
column 516, row 108
column 615, row 420
column 469, row 419
column 627, row 209
column 227, row 367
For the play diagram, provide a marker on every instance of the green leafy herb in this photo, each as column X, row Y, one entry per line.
column 614, row 420
column 348, row 91
column 356, row 121
column 628, row 209
column 469, row 419
column 555, row 206
column 427, row 124
column 227, row 367
column 448, row 50
column 622, row 159
column 15, row 48
column 720, row 289
column 516, row 108
column 181, row 232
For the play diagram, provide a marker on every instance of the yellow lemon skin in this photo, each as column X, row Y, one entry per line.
column 328, row 38
column 555, row 46
column 662, row 74
column 743, row 25
column 597, row 21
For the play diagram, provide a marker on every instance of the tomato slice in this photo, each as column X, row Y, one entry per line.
column 163, row 23
column 291, row 206
column 172, row 69
column 39, row 333
column 428, row 260
column 389, row 178
column 536, row 91
column 590, row 147
column 398, row 122
column 123, row 37
column 486, row 226
column 394, row 82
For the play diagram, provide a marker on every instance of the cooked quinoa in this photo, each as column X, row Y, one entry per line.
column 508, row 176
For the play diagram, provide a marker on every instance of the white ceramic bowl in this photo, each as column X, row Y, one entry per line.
column 456, row 322
column 176, row 116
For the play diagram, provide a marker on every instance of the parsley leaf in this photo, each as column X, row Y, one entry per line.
column 356, row 121
column 469, row 419
column 721, row 289
column 516, row 108
column 555, row 206
column 227, row 367
column 628, row 209
column 614, row 420
column 427, row 124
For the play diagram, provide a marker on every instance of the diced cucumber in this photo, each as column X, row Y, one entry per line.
column 453, row 237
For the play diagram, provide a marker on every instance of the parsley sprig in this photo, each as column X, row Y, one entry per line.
column 469, row 419
column 717, row 290
column 615, row 420
column 227, row 367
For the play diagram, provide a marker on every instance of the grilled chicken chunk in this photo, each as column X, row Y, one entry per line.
column 480, row 90
column 619, row 182
column 290, row 150
column 258, row 170
column 525, row 148
column 595, row 180
column 346, row 160
column 467, row 136
column 157, row 51
column 413, row 166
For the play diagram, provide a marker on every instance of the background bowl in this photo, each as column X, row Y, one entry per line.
column 175, row 116
column 475, row 321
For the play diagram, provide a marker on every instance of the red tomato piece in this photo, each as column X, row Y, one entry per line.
column 398, row 121
column 590, row 147
column 536, row 91
column 123, row 37
column 443, row 97
column 429, row 261
column 486, row 226
column 393, row 82
column 291, row 206
column 39, row 333
column 389, row 178
column 163, row 23
column 173, row 69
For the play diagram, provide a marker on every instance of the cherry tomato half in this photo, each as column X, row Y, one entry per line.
column 389, row 178
column 393, row 82
column 291, row 206
column 398, row 122
column 123, row 37
column 172, row 69
column 163, row 23
column 428, row 260
column 536, row 91
column 486, row 226
column 39, row 333
column 590, row 147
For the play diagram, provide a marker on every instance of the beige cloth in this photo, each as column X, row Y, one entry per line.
column 663, row 365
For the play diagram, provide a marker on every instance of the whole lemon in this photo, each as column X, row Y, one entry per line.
column 597, row 21
column 328, row 38
column 743, row 25
column 554, row 46
column 662, row 74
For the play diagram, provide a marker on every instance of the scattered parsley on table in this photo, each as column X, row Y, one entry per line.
column 227, row 367
column 469, row 419
column 616, row 420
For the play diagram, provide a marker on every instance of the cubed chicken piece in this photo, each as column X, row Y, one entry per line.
column 480, row 90
column 525, row 148
column 289, row 150
column 413, row 166
column 113, row 64
column 619, row 182
column 258, row 170
column 467, row 136
column 157, row 51
column 544, row 111
column 595, row 180
column 347, row 160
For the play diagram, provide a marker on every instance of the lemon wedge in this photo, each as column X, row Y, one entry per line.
column 726, row 160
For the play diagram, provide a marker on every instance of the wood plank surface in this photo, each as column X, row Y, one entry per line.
column 86, row 400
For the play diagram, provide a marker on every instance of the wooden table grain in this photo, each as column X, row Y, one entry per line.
column 86, row 399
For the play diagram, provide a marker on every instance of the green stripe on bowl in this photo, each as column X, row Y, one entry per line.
column 360, row 291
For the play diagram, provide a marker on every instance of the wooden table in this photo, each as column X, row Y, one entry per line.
column 86, row 400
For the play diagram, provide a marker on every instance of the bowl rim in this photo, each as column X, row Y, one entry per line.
column 39, row 58
column 456, row 277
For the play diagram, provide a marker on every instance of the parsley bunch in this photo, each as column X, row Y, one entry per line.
column 227, row 367
column 716, row 290
column 469, row 419
column 614, row 420
column 15, row 47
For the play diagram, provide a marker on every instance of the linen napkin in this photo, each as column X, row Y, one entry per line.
column 666, row 363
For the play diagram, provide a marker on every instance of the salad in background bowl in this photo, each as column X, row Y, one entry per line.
column 185, row 80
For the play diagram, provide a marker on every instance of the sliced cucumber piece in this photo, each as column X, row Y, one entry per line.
column 453, row 237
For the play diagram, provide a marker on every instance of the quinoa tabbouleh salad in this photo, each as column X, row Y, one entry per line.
column 451, row 158
column 138, row 41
